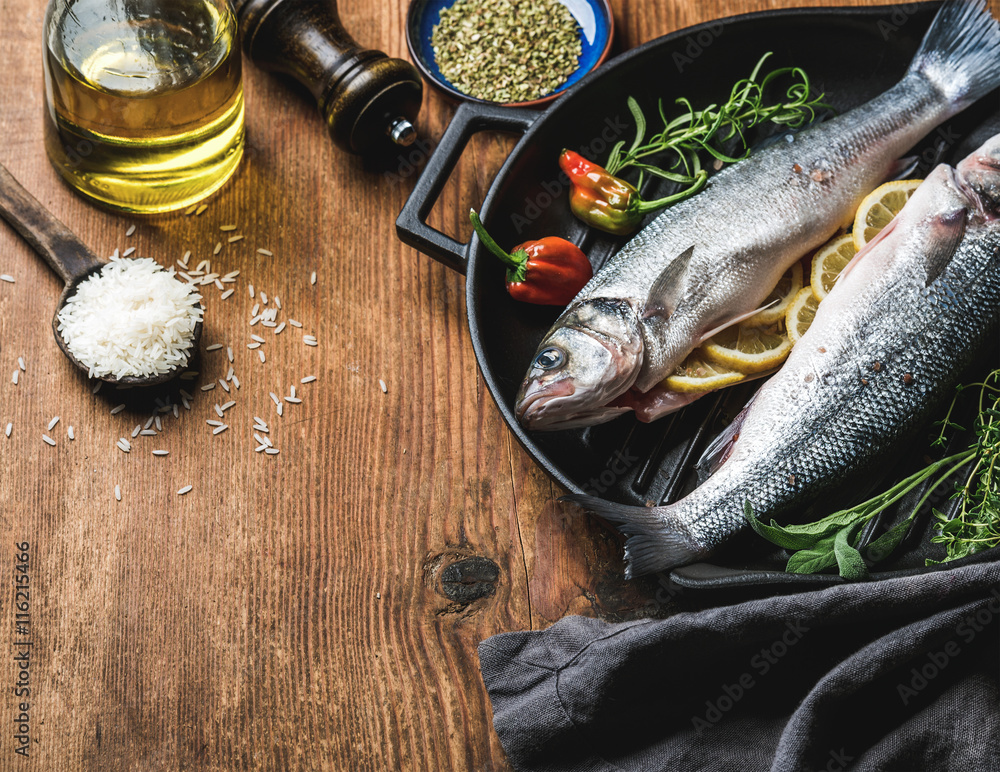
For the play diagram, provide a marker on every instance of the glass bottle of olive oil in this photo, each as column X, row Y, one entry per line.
column 144, row 99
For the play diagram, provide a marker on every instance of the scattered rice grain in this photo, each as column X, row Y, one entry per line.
column 161, row 452
column 381, row 385
column 70, row 433
column 219, row 429
column 186, row 488
column 7, row 278
column 279, row 328
column 130, row 231
column 218, row 248
column 262, row 357
column 14, row 377
column 228, row 293
column 234, row 239
column 229, row 404
column 294, row 323
column 218, row 411
column 20, row 363
column 53, row 422
column 208, row 386
column 308, row 379
column 118, row 493
column 236, row 382
column 136, row 430
column 265, row 252
column 9, row 429
column 224, row 385
column 128, row 251
column 48, row 440
column 272, row 451
column 312, row 279
column 116, row 410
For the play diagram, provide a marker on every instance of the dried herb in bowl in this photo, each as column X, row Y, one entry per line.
column 506, row 50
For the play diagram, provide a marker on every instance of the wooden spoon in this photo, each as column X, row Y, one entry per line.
column 68, row 257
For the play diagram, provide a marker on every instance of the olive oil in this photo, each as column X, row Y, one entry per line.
column 145, row 100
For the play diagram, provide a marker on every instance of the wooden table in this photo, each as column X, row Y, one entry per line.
column 290, row 612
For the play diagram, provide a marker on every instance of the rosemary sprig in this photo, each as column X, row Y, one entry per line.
column 683, row 138
column 834, row 539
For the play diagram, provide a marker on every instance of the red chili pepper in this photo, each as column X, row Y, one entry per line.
column 548, row 271
column 607, row 202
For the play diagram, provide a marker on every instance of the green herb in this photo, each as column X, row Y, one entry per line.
column 506, row 50
column 676, row 148
column 833, row 540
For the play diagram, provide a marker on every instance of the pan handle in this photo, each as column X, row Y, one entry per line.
column 411, row 225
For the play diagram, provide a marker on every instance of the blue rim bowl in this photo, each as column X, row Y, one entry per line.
column 597, row 24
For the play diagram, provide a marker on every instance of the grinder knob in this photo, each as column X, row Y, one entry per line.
column 369, row 101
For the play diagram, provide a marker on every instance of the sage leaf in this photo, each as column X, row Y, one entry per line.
column 776, row 534
column 884, row 545
column 849, row 561
column 814, row 560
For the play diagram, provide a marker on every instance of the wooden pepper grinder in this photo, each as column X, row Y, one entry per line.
column 369, row 101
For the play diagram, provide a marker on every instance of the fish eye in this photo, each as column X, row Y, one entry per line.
column 550, row 358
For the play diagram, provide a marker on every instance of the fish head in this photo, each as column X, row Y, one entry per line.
column 979, row 174
column 590, row 356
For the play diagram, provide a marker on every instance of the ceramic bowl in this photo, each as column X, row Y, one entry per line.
column 596, row 30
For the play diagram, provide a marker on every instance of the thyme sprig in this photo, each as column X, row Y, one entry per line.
column 834, row 540
column 976, row 525
column 676, row 148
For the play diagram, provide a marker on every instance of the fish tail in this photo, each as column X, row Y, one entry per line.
column 960, row 54
column 657, row 539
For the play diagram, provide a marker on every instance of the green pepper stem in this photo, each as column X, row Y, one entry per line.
column 509, row 260
column 650, row 206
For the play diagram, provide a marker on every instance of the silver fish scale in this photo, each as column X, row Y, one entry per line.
column 927, row 333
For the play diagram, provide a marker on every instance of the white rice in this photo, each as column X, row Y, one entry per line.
column 53, row 422
column 185, row 489
column 48, row 440
column 118, row 493
column 132, row 318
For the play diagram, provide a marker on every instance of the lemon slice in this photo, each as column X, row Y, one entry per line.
column 828, row 262
column 696, row 375
column 789, row 284
column 800, row 314
column 879, row 207
column 748, row 349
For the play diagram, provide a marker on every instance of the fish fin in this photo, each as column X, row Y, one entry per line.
column 902, row 168
column 657, row 541
column 734, row 320
column 960, row 54
column 949, row 230
column 881, row 236
column 718, row 450
column 666, row 289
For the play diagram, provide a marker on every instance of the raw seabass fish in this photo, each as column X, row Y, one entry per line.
column 887, row 345
column 710, row 261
